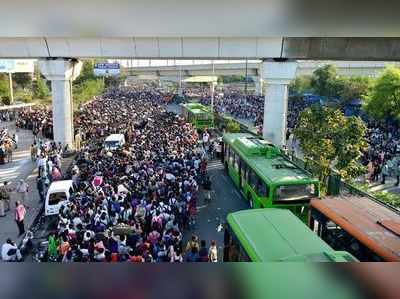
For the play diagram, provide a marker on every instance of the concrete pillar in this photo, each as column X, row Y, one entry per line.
column 61, row 73
column 277, row 76
column 258, row 83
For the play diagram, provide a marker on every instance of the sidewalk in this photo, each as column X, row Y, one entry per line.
column 389, row 186
column 21, row 168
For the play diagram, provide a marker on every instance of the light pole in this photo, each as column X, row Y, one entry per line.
column 212, row 93
column 11, row 87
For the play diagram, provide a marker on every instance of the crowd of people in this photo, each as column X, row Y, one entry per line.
column 382, row 157
column 8, row 143
column 134, row 203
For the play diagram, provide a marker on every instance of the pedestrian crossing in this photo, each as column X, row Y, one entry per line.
column 214, row 165
column 11, row 171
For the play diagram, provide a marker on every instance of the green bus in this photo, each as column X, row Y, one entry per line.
column 265, row 176
column 275, row 235
column 198, row 115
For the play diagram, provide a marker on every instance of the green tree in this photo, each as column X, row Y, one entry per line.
column 86, row 72
column 329, row 139
column 114, row 81
column 300, row 85
column 349, row 88
column 40, row 89
column 87, row 90
column 22, row 80
column 232, row 127
column 4, row 89
column 323, row 80
column 383, row 99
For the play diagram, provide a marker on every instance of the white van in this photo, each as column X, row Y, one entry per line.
column 114, row 141
column 58, row 194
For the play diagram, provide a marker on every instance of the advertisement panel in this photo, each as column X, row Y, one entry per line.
column 16, row 66
column 106, row 69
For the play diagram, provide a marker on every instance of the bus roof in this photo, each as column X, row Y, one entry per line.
column 373, row 224
column 196, row 108
column 266, row 160
column 278, row 235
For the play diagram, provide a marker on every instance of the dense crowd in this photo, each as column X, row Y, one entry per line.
column 134, row 203
column 382, row 157
column 8, row 142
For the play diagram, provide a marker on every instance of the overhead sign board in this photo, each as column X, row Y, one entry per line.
column 16, row 66
column 106, row 69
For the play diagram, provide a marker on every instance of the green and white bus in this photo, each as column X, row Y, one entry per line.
column 275, row 235
column 198, row 115
column 266, row 177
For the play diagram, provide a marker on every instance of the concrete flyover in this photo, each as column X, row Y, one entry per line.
column 276, row 32
column 346, row 68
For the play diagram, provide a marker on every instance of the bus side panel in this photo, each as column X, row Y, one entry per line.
column 234, row 175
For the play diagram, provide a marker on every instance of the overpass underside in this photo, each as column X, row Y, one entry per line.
column 281, row 48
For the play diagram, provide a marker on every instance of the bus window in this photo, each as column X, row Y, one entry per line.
column 339, row 239
column 244, row 170
column 231, row 156
column 262, row 189
column 243, row 257
column 236, row 162
column 253, row 179
column 294, row 192
column 233, row 252
column 226, row 151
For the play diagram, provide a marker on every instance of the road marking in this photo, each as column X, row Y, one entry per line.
column 202, row 207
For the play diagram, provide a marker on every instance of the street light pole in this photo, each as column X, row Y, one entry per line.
column 11, row 87
column 245, row 86
column 212, row 93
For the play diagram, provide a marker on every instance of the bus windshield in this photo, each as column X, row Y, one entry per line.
column 290, row 193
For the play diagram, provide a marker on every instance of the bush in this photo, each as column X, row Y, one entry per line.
column 233, row 127
column 6, row 100
column 87, row 90
column 24, row 96
column 40, row 90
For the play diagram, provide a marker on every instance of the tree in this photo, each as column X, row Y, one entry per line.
column 40, row 89
column 86, row 72
column 324, row 79
column 300, row 85
column 4, row 89
column 23, row 80
column 329, row 139
column 383, row 99
column 114, row 81
column 87, row 90
column 349, row 88
column 232, row 127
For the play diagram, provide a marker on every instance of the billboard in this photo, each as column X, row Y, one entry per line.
column 106, row 69
column 16, row 66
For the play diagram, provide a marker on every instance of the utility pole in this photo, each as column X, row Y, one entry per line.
column 212, row 93
column 245, row 85
column 11, row 87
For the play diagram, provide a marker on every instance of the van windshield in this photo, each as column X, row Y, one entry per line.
column 112, row 143
column 56, row 198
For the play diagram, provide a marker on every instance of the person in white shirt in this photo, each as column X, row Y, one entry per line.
column 10, row 252
column 206, row 137
column 22, row 190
